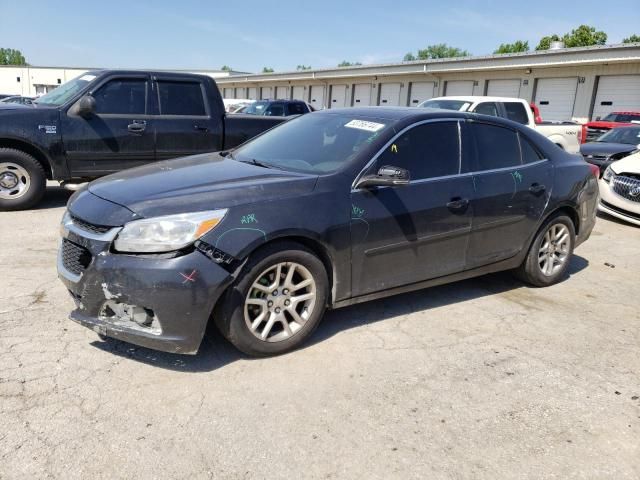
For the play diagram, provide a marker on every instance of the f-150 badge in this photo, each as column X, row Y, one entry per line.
column 48, row 128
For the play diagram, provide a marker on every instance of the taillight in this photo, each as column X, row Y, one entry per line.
column 582, row 136
column 595, row 170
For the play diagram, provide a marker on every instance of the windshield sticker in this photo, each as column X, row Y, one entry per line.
column 88, row 78
column 363, row 125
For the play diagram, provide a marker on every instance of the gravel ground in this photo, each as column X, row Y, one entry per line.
column 479, row 379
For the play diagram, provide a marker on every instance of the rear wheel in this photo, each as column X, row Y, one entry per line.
column 22, row 180
column 550, row 253
column 277, row 301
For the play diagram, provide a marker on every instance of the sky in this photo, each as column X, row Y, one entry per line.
column 248, row 35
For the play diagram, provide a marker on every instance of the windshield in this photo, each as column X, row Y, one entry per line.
column 315, row 143
column 256, row 108
column 622, row 117
column 458, row 105
column 629, row 135
column 66, row 91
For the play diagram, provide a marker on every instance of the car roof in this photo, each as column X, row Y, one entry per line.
column 395, row 113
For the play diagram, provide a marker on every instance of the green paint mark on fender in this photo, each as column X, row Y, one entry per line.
column 356, row 212
column 249, row 218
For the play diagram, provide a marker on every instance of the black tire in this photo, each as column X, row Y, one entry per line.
column 531, row 270
column 36, row 185
column 229, row 315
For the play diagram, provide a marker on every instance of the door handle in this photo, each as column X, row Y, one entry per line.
column 537, row 189
column 137, row 126
column 201, row 128
column 458, row 204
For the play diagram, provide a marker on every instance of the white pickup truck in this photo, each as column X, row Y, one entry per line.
column 566, row 135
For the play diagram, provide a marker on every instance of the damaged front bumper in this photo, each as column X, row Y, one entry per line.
column 161, row 302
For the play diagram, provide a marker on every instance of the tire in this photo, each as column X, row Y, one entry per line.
column 258, row 299
column 550, row 253
column 22, row 180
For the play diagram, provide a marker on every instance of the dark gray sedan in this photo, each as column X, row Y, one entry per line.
column 617, row 143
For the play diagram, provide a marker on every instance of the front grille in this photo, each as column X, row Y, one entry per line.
column 635, row 216
column 74, row 257
column 594, row 133
column 627, row 187
column 89, row 227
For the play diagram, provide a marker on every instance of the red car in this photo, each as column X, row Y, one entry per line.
column 615, row 119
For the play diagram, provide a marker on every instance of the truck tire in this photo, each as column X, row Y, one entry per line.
column 271, row 309
column 22, row 180
column 550, row 253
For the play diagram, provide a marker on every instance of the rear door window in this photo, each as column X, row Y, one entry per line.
column 275, row 110
column 181, row 98
column 516, row 112
column 297, row 108
column 496, row 146
column 530, row 154
column 487, row 108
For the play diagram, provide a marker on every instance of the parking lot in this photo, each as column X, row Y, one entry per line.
column 485, row 378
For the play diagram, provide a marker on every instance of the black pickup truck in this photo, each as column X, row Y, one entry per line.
column 109, row 120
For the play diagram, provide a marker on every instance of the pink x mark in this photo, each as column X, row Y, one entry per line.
column 189, row 278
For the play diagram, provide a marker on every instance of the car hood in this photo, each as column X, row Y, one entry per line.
column 602, row 124
column 630, row 164
column 4, row 106
column 605, row 148
column 199, row 182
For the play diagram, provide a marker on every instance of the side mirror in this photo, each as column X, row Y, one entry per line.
column 85, row 107
column 387, row 176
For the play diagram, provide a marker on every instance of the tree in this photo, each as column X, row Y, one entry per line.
column 344, row 63
column 226, row 68
column 632, row 39
column 583, row 36
column 409, row 57
column 441, row 50
column 517, row 46
column 303, row 67
column 545, row 42
column 10, row 56
column 267, row 70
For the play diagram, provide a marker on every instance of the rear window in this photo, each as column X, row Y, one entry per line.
column 458, row 105
column 622, row 117
column 181, row 98
column 516, row 112
column 297, row 109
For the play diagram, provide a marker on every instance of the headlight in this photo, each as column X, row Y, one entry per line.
column 608, row 174
column 164, row 234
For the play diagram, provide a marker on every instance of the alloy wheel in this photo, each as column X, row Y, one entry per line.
column 280, row 301
column 554, row 249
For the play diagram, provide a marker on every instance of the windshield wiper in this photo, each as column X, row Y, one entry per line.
column 255, row 162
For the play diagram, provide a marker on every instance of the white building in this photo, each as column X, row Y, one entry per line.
column 576, row 83
column 34, row 81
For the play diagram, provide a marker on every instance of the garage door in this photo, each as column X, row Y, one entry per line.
column 504, row 88
column 317, row 97
column 227, row 93
column 556, row 97
column 253, row 93
column 617, row 93
column 459, row 87
column 389, row 94
column 240, row 92
column 362, row 95
column 338, row 96
column 282, row 93
column 266, row 92
column 421, row 91
column 298, row 93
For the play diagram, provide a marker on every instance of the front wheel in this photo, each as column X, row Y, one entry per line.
column 277, row 301
column 22, row 180
column 550, row 253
